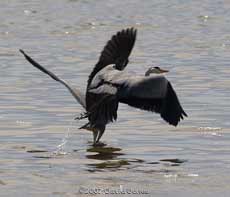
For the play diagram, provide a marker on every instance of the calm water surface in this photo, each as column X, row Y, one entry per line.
column 42, row 152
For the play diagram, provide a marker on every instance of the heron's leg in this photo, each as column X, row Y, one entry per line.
column 99, row 136
column 95, row 134
column 101, row 132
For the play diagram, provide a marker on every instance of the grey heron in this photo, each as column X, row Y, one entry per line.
column 109, row 84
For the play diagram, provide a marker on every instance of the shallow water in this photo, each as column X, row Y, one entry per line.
column 42, row 152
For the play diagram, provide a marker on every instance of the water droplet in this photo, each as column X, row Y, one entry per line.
column 170, row 175
column 27, row 12
column 193, row 175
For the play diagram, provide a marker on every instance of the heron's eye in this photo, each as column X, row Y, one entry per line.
column 156, row 67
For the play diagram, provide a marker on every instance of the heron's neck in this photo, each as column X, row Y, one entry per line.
column 147, row 73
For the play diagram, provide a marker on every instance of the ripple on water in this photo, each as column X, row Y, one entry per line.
column 36, row 150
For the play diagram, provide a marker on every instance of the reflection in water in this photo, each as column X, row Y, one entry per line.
column 113, row 165
column 111, row 158
column 40, row 154
column 42, row 157
column 2, row 183
column 175, row 161
column 106, row 153
column 110, row 155
column 103, row 150
column 45, row 154
column 36, row 151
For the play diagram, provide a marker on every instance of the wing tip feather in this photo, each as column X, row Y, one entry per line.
column 172, row 110
column 116, row 50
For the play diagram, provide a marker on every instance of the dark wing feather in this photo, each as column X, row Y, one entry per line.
column 116, row 51
column 169, row 106
column 104, row 110
column 171, row 110
column 153, row 105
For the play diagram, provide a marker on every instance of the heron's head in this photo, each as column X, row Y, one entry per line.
column 156, row 70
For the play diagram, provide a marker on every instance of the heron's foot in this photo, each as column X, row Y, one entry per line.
column 82, row 116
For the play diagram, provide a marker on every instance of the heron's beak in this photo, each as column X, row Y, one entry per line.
column 163, row 70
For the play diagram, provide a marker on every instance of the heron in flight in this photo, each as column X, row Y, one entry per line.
column 108, row 85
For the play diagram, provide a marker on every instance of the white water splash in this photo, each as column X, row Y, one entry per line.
column 193, row 175
column 61, row 148
column 23, row 123
column 210, row 128
column 170, row 175
column 213, row 131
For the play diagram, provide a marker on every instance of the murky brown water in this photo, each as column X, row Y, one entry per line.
column 42, row 152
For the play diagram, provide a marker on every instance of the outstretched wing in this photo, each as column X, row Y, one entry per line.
column 165, row 102
column 153, row 93
column 116, row 51
column 75, row 92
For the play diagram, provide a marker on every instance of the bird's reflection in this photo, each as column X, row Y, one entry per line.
column 103, row 152
column 109, row 155
column 113, row 159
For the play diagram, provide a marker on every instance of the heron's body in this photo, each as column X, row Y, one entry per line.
column 152, row 93
column 129, row 84
column 109, row 84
